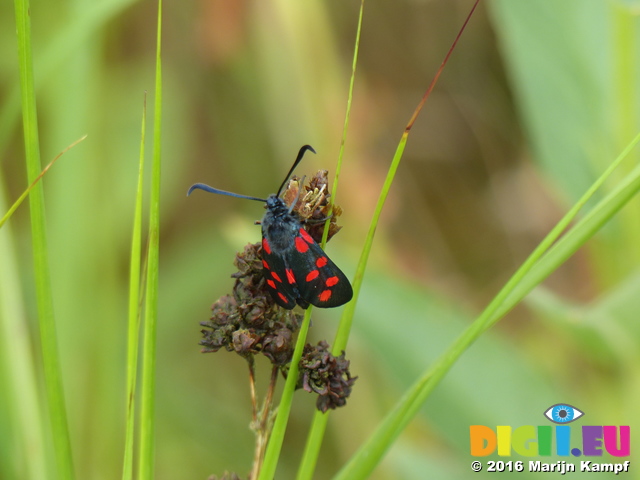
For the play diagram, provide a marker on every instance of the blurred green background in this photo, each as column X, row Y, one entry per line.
column 538, row 98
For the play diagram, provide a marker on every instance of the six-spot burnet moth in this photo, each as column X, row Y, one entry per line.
column 296, row 269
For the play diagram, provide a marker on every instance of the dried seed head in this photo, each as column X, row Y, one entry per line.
column 313, row 205
column 249, row 322
column 326, row 375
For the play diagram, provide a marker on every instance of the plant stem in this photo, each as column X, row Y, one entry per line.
column 275, row 444
column 252, row 387
column 263, row 430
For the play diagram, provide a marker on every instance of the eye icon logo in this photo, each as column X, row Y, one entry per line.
column 563, row 413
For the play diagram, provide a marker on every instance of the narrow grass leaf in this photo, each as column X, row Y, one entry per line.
column 134, row 310
column 147, row 402
column 319, row 423
column 44, row 297
column 277, row 435
column 284, row 408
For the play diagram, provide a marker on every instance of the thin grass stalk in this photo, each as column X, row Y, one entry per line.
column 284, row 408
column 24, row 194
column 566, row 246
column 345, row 129
column 134, row 309
column 319, row 422
column 289, row 388
column 541, row 263
column 263, row 425
column 147, row 401
column 48, row 336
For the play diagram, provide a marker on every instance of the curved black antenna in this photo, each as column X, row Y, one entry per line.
column 295, row 164
column 207, row 188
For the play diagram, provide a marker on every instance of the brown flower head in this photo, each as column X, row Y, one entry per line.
column 312, row 206
column 248, row 321
column 326, row 375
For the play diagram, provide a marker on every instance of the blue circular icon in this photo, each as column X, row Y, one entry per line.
column 576, row 452
column 562, row 413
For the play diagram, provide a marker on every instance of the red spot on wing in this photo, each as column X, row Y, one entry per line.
column 290, row 276
column 313, row 274
column 331, row 281
column 265, row 265
column 271, row 283
column 283, row 298
column 306, row 236
column 325, row 295
column 321, row 262
column 301, row 246
column 276, row 276
column 265, row 246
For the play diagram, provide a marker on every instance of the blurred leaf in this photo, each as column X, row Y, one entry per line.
column 575, row 68
column 23, row 445
column 410, row 329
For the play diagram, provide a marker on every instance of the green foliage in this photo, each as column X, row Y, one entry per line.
column 44, row 297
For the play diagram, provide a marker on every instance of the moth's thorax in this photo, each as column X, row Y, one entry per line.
column 279, row 226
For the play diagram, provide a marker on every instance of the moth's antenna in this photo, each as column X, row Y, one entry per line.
column 295, row 164
column 207, row 188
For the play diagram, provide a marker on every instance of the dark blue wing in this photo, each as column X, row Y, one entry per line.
column 302, row 273
column 318, row 280
column 279, row 284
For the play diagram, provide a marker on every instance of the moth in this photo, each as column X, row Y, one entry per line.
column 297, row 271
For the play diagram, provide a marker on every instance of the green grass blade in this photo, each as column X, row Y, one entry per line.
column 147, row 401
column 319, row 423
column 344, row 329
column 277, row 435
column 48, row 336
column 345, row 128
column 21, row 198
column 134, row 311
column 320, row 420
column 541, row 263
column 284, row 408
column 572, row 241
